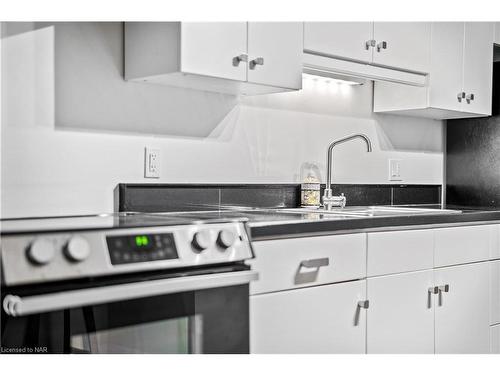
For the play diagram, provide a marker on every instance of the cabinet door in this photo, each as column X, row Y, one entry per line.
column 339, row 39
column 275, row 54
column 497, row 33
column 407, row 45
column 478, row 66
column 495, row 339
column 462, row 315
column 210, row 49
column 446, row 77
column 322, row 319
column 401, row 313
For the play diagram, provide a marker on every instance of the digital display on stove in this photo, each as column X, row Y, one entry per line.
column 142, row 242
column 141, row 248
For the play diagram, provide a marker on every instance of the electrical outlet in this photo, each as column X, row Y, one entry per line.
column 395, row 170
column 152, row 163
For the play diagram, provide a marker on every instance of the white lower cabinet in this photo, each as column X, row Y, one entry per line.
column 400, row 317
column 429, row 291
column 495, row 292
column 321, row 319
column 495, row 339
column 462, row 322
column 435, row 311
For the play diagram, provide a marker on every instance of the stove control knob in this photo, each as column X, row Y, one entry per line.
column 41, row 251
column 226, row 238
column 77, row 249
column 201, row 240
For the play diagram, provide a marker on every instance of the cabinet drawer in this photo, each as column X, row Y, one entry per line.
column 393, row 252
column 282, row 263
column 495, row 292
column 462, row 245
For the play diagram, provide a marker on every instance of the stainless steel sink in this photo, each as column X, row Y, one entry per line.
column 367, row 211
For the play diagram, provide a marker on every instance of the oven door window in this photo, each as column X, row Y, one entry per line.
column 203, row 321
column 171, row 336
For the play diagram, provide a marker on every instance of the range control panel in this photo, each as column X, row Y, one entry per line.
column 141, row 248
column 44, row 257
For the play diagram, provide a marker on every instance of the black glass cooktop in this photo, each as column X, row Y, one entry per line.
column 136, row 219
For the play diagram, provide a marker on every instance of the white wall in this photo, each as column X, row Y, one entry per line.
column 72, row 128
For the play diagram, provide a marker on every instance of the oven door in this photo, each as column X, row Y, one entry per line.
column 193, row 313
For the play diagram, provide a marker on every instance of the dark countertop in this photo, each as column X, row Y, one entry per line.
column 264, row 224
column 262, row 230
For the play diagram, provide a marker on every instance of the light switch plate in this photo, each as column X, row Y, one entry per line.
column 395, row 170
column 151, row 163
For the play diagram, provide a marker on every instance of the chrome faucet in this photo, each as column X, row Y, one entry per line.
column 329, row 200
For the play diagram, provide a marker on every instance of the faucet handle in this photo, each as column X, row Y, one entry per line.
column 330, row 200
column 342, row 200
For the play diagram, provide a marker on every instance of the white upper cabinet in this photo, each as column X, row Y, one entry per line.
column 348, row 40
column 478, row 60
column 405, row 45
column 399, row 45
column 275, row 54
column 210, row 49
column 497, row 32
column 446, row 76
column 460, row 78
column 230, row 57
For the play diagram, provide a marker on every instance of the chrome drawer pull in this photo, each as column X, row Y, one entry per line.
column 315, row 263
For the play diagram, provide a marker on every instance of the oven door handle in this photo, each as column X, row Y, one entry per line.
column 19, row 306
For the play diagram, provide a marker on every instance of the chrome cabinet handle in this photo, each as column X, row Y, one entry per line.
column 460, row 96
column 255, row 62
column 361, row 305
column 243, row 57
column 444, row 288
column 432, row 290
column 370, row 43
column 469, row 98
column 364, row 304
column 382, row 45
column 315, row 263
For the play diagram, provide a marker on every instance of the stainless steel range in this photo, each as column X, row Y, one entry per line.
column 125, row 283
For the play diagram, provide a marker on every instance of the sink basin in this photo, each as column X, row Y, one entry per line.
column 366, row 211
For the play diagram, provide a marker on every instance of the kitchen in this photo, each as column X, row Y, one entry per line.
column 329, row 169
